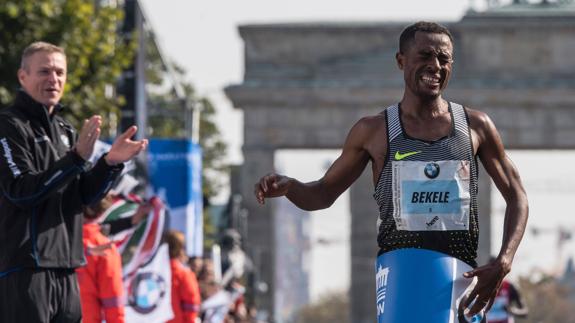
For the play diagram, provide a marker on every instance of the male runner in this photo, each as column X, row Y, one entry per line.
column 411, row 143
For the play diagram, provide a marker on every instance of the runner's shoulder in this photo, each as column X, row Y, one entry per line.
column 369, row 125
column 479, row 120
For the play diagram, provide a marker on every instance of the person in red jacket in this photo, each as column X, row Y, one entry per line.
column 185, row 290
column 507, row 305
column 101, row 286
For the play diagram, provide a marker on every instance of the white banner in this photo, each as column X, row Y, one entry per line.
column 216, row 307
column 149, row 291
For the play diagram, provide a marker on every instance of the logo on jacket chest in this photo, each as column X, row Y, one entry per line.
column 65, row 140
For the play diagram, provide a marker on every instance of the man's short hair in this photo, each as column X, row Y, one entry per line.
column 408, row 34
column 36, row 47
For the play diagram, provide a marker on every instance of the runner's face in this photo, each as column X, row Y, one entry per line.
column 44, row 77
column 426, row 64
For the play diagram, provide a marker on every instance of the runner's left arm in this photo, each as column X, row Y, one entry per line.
column 507, row 180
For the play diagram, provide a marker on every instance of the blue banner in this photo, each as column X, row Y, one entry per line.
column 175, row 168
column 417, row 285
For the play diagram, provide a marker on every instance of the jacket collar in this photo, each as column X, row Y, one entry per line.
column 32, row 108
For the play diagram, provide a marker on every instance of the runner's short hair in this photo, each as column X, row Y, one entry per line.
column 408, row 35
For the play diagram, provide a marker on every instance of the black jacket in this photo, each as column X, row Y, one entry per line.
column 44, row 186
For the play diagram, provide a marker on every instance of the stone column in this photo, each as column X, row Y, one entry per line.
column 260, row 238
column 363, row 249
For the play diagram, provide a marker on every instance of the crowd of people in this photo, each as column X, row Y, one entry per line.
column 102, row 290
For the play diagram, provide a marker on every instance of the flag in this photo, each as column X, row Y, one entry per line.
column 138, row 244
column 217, row 306
column 149, row 291
column 175, row 168
column 145, row 263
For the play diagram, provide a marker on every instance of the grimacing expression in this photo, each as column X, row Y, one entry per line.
column 426, row 64
column 44, row 76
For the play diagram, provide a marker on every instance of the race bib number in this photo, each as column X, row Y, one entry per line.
column 431, row 196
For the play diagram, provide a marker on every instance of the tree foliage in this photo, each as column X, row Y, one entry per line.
column 97, row 55
column 88, row 31
column 167, row 119
column 167, row 116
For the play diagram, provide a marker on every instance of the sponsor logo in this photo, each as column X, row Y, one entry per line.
column 65, row 140
column 146, row 292
column 381, row 287
column 431, row 170
column 400, row 156
column 41, row 139
column 9, row 159
column 432, row 222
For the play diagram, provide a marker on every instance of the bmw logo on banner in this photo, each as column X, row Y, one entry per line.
column 149, row 291
column 146, row 292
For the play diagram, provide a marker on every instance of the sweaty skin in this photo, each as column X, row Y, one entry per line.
column 426, row 66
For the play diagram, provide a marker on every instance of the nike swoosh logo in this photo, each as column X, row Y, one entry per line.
column 400, row 156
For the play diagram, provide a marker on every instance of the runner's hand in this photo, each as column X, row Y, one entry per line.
column 271, row 185
column 489, row 279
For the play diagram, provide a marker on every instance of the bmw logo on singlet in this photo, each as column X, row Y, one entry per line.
column 431, row 170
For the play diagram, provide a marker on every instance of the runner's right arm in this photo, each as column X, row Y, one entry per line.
column 322, row 193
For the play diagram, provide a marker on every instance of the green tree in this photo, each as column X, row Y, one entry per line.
column 167, row 119
column 167, row 115
column 96, row 53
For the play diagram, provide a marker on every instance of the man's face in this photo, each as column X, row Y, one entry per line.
column 196, row 264
column 44, row 77
column 426, row 64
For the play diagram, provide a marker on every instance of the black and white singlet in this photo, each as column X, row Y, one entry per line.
column 427, row 191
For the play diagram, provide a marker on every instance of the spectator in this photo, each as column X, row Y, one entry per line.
column 185, row 291
column 101, row 286
column 45, row 182
column 507, row 304
column 196, row 263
